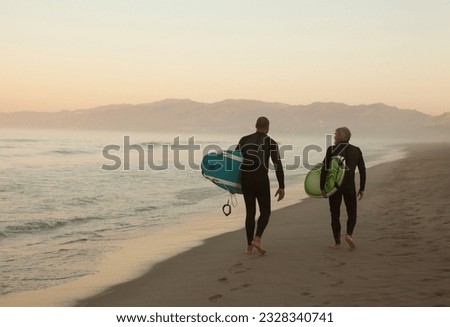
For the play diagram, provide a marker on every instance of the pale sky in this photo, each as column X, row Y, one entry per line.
column 63, row 54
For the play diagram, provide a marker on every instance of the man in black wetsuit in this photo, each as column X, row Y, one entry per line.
column 353, row 158
column 257, row 148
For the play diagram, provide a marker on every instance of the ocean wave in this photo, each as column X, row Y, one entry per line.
column 145, row 209
column 66, row 152
column 83, row 201
column 80, row 240
column 37, row 279
column 34, row 225
column 31, row 227
column 20, row 140
column 146, row 144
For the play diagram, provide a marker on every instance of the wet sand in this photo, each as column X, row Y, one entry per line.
column 402, row 256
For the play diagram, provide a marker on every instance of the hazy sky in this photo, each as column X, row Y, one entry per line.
column 65, row 54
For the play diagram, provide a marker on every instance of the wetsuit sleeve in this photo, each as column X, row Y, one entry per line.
column 362, row 172
column 240, row 145
column 323, row 172
column 276, row 160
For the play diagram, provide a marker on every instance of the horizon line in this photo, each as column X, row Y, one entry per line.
column 216, row 102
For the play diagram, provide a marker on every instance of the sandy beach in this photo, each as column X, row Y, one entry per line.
column 402, row 256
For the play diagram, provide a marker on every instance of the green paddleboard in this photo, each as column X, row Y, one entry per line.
column 335, row 176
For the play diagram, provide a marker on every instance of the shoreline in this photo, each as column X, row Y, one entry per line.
column 140, row 264
column 132, row 260
column 402, row 258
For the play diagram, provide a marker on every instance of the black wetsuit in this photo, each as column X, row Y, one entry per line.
column 353, row 158
column 257, row 148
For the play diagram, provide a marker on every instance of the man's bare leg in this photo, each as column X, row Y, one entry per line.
column 350, row 241
column 257, row 244
column 249, row 249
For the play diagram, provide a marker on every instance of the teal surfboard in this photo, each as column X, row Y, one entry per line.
column 335, row 176
column 223, row 169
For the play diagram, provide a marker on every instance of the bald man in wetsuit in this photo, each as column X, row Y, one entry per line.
column 256, row 149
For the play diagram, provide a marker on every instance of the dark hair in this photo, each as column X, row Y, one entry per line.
column 262, row 122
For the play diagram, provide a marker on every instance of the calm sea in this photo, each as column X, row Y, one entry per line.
column 68, row 198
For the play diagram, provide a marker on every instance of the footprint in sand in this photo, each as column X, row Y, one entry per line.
column 215, row 297
column 240, row 287
column 439, row 293
column 325, row 274
column 238, row 268
column 424, row 280
column 382, row 238
column 339, row 282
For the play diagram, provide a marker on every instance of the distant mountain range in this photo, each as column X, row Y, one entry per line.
column 239, row 116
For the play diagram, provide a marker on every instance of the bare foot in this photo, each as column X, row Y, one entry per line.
column 257, row 244
column 350, row 241
column 249, row 249
column 335, row 246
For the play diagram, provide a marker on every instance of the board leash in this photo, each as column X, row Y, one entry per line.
column 226, row 209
